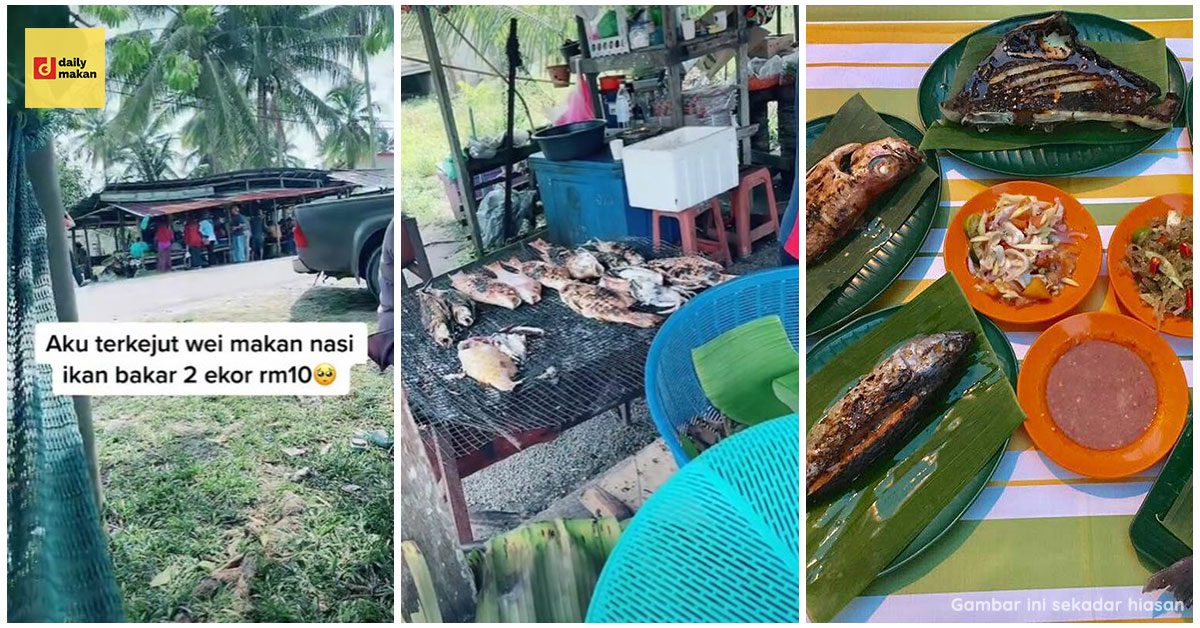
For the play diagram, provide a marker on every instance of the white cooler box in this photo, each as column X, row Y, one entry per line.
column 682, row 168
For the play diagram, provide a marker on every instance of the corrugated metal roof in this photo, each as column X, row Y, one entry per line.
column 367, row 177
column 168, row 208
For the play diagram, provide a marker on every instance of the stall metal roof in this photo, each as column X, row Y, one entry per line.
column 165, row 208
column 367, row 177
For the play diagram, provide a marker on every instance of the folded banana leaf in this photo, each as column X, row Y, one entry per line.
column 856, row 121
column 737, row 370
column 1178, row 519
column 787, row 389
column 1148, row 58
column 851, row 539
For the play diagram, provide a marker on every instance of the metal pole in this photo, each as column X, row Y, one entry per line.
column 438, row 77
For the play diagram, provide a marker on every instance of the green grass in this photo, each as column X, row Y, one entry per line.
column 423, row 145
column 193, row 483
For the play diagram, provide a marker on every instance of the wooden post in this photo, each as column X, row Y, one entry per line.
column 591, row 78
column 425, row 522
column 438, row 76
column 743, row 83
column 675, row 68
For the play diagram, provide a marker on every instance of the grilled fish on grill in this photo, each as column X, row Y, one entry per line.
column 1040, row 74
column 603, row 304
column 841, row 187
column 581, row 263
column 615, row 254
column 492, row 359
column 462, row 308
column 880, row 410
column 485, row 289
column 435, row 317
column 667, row 298
column 529, row 288
column 689, row 272
column 550, row 275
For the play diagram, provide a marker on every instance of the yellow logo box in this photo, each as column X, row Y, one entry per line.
column 64, row 68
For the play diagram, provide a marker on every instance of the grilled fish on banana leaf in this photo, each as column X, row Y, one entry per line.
column 880, row 410
column 1040, row 74
column 841, row 187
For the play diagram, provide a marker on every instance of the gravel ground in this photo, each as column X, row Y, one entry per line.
column 520, row 486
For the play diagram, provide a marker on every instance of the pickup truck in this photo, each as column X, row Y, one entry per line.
column 343, row 237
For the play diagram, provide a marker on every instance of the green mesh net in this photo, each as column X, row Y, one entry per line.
column 58, row 563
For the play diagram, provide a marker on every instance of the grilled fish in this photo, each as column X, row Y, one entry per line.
column 529, row 288
column 843, row 185
column 435, row 317
column 1177, row 579
column 667, row 298
column 462, row 308
column 879, row 410
column 549, row 275
column 484, row 361
column 581, row 263
column 616, row 254
column 485, row 289
column 492, row 360
column 689, row 272
column 1040, row 74
column 603, row 304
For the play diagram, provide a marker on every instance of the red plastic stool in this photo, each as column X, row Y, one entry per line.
column 691, row 243
column 744, row 233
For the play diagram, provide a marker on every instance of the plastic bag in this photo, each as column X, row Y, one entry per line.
column 491, row 216
column 579, row 105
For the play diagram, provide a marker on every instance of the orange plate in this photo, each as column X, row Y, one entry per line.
column 1121, row 278
column 1087, row 266
column 1164, row 365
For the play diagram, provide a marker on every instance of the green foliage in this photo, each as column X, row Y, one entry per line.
column 347, row 142
column 108, row 15
column 71, row 182
column 182, row 73
column 200, row 18
column 129, row 56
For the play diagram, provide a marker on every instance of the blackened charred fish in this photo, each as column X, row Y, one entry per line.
column 1040, row 75
column 435, row 317
column 841, row 187
column 879, row 410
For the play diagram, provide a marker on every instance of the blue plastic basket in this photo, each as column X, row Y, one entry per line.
column 719, row 542
column 673, row 391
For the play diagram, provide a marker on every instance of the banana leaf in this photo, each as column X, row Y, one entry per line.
column 787, row 389
column 1148, row 58
column 544, row 571
column 737, row 370
column 1178, row 520
column 427, row 609
column 857, row 122
column 851, row 539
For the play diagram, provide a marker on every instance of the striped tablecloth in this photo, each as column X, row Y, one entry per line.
column 1041, row 543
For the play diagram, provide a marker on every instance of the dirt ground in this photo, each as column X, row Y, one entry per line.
column 169, row 295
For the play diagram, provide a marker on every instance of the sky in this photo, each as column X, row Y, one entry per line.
column 382, row 94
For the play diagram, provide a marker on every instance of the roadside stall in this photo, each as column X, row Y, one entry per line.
column 1000, row 317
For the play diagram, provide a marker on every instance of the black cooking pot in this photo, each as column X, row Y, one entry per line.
column 571, row 141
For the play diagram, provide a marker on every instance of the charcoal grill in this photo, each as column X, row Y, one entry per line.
column 599, row 367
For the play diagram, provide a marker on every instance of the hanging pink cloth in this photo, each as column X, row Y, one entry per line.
column 579, row 105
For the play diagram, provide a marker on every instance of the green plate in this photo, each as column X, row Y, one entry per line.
column 890, row 259
column 831, row 345
column 1188, row 108
column 1052, row 159
column 1151, row 539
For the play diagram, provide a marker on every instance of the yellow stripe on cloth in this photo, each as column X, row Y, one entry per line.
column 944, row 32
column 1083, row 188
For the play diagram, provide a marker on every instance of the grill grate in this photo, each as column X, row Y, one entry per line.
column 599, row 366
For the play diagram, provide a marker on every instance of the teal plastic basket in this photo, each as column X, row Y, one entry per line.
column 719, row 542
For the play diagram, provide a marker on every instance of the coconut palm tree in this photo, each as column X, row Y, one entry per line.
column 541, row 30
column 347, row 141
column 149, row 154
column 236, row 72
column 95, row 133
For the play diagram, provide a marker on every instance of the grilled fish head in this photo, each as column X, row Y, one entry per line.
column 883, row 162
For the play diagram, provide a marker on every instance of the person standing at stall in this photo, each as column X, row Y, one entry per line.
column 239, row 237
column 194, row 242
column 257, row 235
column 209, row 235
column 163, row 237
